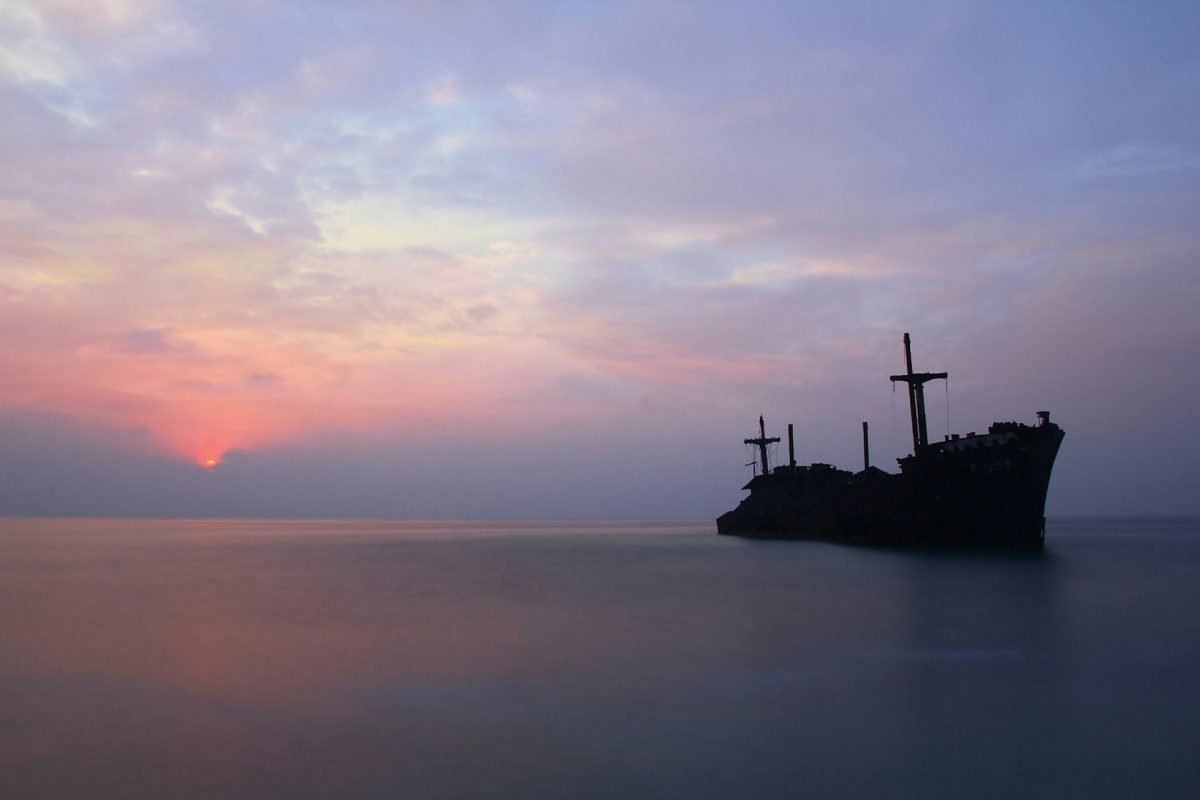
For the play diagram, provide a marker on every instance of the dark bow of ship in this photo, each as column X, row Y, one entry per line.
column 978, row 490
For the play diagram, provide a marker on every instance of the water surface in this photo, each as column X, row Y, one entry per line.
column 244, row 659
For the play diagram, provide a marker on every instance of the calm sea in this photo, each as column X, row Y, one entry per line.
column 285, row 659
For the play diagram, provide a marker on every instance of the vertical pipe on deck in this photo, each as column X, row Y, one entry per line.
column 866, row 449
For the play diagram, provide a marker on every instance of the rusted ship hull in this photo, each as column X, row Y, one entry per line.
column 971, row 491
column 979, row 491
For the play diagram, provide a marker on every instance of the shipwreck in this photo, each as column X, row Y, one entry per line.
column 980, row 490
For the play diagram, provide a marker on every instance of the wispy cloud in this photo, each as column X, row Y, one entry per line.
column 1132, row 160
column 239, row 228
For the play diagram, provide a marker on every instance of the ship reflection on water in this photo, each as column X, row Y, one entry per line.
column 283, row 659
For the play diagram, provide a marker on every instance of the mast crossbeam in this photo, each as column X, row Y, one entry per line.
column 761, row 442
column 916, row 395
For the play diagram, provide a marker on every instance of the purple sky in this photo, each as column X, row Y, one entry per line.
column 553, row 259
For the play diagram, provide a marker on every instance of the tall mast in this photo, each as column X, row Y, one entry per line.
column 916, row 395
column 762, row 441
column 912, row 394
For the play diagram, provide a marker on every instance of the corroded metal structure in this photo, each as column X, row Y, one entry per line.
column 978, row 490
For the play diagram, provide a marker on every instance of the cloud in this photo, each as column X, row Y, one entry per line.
column 444, row 92
column 1133, row 160
column 153, row 340
column 243, row 228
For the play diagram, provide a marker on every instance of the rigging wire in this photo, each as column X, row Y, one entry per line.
column 893, row 413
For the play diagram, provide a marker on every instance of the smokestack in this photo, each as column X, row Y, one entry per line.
column 791, row 447
column 866, row 449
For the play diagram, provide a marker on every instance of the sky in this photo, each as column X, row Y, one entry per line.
column 537, row 260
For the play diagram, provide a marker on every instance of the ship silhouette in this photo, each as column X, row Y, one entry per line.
column 978, row 490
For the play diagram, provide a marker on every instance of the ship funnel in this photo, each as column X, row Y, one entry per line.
column 866, row 449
